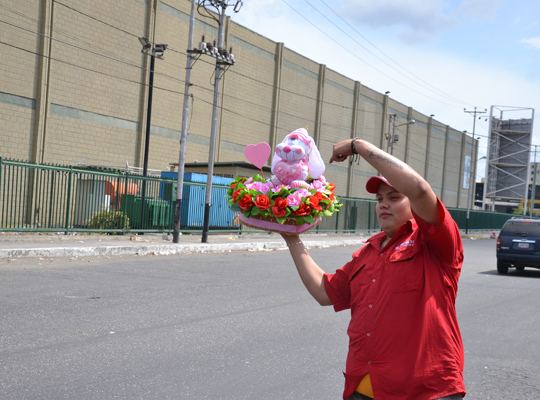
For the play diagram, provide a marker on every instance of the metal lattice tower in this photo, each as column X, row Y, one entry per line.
column 508, row 155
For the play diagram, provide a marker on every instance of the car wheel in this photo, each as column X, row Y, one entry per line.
column 502, row 268
column 521, row 268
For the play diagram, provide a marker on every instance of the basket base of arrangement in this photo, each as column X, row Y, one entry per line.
column 288, row 228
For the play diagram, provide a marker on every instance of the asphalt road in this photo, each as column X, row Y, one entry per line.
column 230, row 326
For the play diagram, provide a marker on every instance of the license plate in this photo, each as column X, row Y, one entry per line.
column 523, row 245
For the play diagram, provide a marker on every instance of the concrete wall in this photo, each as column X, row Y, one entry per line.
column 84, row 93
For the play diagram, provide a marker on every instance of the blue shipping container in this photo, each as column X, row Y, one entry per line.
column 194, row 197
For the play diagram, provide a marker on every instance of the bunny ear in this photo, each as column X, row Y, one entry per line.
column 315, row 163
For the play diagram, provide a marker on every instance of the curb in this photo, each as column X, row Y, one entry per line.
column 165, row 249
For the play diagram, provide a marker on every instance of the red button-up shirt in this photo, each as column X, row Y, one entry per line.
column 404, row 330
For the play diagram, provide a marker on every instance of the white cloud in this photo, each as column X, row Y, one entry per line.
column 532, row 42
column 479, row 9
column 418, row 20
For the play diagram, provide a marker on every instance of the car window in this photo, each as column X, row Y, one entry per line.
column 521, row 228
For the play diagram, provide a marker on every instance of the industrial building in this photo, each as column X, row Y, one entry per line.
column 74, row 86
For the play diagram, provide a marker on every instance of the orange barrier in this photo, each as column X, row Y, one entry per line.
column 114, row 189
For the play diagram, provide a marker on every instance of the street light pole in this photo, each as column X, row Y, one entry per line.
column 393, row 138
column 471, row 168
column 389, row 137
column 155, row 51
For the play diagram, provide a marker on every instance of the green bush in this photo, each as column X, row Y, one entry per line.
column 108, row 220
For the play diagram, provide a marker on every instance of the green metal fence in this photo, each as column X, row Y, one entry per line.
column 46, row 198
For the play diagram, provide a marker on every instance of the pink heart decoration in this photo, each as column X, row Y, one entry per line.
column 257, row 154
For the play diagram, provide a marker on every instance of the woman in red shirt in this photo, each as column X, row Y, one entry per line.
column 401, row 288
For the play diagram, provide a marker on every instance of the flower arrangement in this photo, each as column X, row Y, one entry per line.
column 257, row 198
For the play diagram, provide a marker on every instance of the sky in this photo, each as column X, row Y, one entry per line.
column 437, row 56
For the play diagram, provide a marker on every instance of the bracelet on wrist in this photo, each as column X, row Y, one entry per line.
column 293, row 244
column 353, row 149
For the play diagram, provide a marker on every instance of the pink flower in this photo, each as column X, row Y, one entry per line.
column 265, row 187
column 318, row 185
column 294, row 200
column 258, row 186
column 322, row 179
column 277, row 188
column 302, row 193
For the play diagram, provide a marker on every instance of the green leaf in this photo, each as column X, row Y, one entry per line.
column 327, row 213
column 281, row 220
column 235, row 207
column 255, row 211
column 308, row 219
column 300, row 221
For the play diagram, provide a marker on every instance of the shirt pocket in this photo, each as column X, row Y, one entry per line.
column 357, row 282
column 357, row 276
column 406, row 269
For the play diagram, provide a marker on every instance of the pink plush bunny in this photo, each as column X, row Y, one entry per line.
column 295, row 158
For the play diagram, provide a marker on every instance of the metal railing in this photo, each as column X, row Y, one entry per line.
column 47, row 198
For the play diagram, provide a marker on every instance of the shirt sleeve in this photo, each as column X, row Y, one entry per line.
column 444, row 239
column 337, row 285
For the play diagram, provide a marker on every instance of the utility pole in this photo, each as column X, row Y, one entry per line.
column 182, row 158
column 475, row 113
column 224, row 59
column 154, row 51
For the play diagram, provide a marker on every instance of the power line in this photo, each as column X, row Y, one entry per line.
column 73, row 45
column 179, row 52
column 380, row 59
column 365, row 62
column 200, row 99
column 96, row 19
column 171, row 49
column 181, row 81
column 386, row 55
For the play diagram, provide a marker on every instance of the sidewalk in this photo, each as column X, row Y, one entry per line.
column 44, row 245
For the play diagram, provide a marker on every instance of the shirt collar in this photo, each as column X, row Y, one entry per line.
column 407, row 227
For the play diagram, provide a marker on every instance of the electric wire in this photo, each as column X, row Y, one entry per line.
column 176, row 92
column 235, row 72
column 95, row 19
column 365, row 62
column 390, row 58
column 438, row 92
column 88, row 69
column 73, row 45
column 179, row 80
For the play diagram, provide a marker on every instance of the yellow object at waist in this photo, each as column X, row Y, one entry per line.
column 364, row 387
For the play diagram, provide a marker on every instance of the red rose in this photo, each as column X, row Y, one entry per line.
column 262, row 201
column 319, row 196
column 235, row 195
column 245, row 202
column 331, row 187
column 304, row 209
column 281, row 202
column 277, row 211
column 314, row 203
